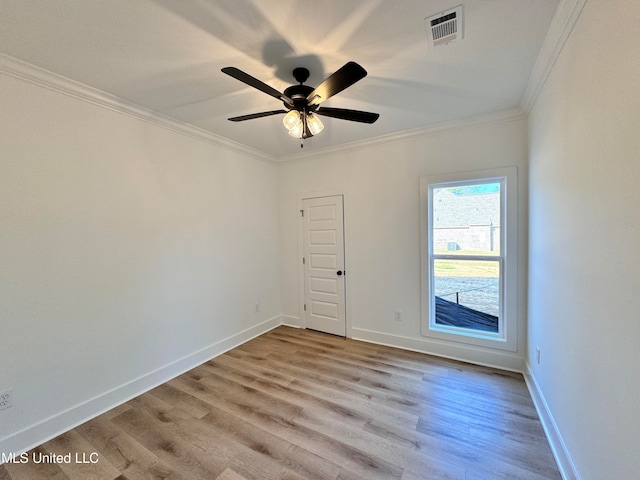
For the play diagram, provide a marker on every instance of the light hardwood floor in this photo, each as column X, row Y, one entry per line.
column 297, row 404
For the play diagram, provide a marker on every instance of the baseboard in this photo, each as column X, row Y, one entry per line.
column 291, row 321
column 560, row 451
column 41, row 432
column 479, row 356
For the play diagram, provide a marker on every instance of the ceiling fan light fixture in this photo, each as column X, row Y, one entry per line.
column 297, row 129
column 291, row 119
column 314, row 124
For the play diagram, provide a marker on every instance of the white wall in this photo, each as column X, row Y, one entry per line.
column 381, row 184
column 128, row 253
column 584, row 266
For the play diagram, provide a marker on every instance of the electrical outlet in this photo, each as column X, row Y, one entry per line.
column 538, row 355
column 257, row 307
column 398, row 316
column 6, row 399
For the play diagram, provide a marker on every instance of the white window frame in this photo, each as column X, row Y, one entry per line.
column 506, row 338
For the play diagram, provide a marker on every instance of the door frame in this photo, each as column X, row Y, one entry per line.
column 301, row 279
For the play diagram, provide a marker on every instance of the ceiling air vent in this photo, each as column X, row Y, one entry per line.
column 445, row 27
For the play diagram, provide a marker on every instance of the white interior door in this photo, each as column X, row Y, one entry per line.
column 324, row 276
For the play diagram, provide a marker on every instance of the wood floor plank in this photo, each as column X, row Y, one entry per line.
column 229, row 474
column 169, row 444
column 296, row 404
column 253, row 459
column 33, row 469
column 329, row 417
column 375, row 401
column 326, row 392
column 189, row 404
column 321, row 405
column 271, row 447
column 352, row 385
column 79, row 465
column 283, row 419
column 126, row 454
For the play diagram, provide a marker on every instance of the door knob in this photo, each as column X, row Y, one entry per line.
column 339, row 272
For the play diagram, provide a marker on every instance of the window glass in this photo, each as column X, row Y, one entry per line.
column 466, row 219
column 467, row 294
column 469, row 257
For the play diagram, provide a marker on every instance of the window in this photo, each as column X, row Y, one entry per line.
column 469, row 259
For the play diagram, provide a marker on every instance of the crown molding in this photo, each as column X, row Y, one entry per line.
column 504, row 116
column 19, row 69
column 564, row 20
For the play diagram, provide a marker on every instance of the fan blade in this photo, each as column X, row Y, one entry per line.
column 343, row 78
column 251, row 116
column 255, row 83
column 345, row 114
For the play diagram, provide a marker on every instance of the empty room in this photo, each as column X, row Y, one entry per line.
column 363, row 239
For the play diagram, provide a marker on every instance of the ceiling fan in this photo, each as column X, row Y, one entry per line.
column 302, row 102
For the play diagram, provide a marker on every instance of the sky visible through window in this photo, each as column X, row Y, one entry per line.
column 475, row 189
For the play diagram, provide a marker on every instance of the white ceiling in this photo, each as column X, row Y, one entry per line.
column 166, row 55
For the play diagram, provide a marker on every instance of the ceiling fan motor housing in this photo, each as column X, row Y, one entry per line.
column 299, row 94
